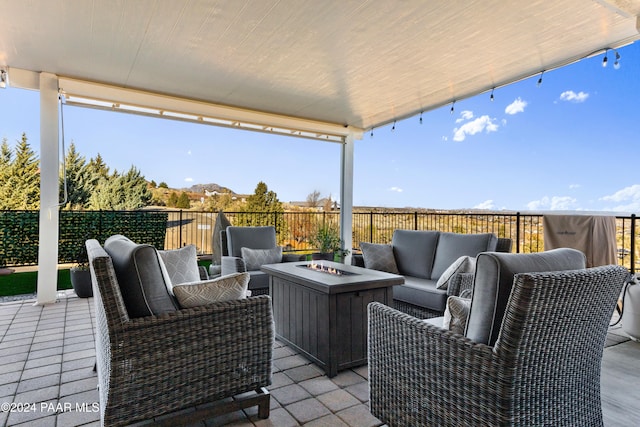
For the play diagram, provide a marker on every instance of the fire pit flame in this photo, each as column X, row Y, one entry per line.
column 319, row 266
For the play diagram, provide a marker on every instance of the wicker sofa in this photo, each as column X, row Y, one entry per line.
column 152, row 365
column 530, row 354
column 422, row 257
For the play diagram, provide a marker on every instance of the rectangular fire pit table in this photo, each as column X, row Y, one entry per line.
column 324, row 315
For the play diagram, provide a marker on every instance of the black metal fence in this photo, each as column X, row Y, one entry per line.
column 294, row 228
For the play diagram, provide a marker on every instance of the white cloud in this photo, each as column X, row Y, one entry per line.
column 555, row 203
column 396, row 189
column 571, row 96
column 483, row 123
column 574, row 186
column 445, row 138
column 628, row 197
column 188, row 180
column 516, row 106
column 487, row 204
column 465, row 115
column 189, row 152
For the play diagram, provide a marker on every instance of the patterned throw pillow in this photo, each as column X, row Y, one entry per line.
column 464, row 264
column 225, row 288
column 255, row 258
column 379, row 257
column 456, row 313
column 180, row 265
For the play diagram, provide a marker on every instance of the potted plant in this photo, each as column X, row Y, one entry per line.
column 326, row 239
column 80, row 275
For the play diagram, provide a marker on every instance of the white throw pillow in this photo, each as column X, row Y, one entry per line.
column 255, row 258
column 464, row 264
column 179, row 266
column 225, row 288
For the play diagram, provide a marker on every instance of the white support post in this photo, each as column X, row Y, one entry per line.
column 346, row 195
column 49, row 170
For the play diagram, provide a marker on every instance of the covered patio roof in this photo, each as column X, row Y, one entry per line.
column 358, row 63
column 325, row 70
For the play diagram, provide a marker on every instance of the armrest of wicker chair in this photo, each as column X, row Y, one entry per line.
column 416, row 368
column 232, row 264
column 460, row 282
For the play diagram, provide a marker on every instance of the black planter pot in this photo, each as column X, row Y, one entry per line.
column 322, row 256
column 81, row 282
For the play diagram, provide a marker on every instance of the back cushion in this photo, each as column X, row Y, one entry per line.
column 452, row 246
column 415, row 251
column 250, row 237
column 494, row 279
column 142, row 284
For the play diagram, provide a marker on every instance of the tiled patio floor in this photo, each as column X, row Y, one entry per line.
column 47, row 356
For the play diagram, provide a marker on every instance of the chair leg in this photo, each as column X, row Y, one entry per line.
column 265, row 403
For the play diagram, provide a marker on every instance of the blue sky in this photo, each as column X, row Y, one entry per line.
column 572, row 143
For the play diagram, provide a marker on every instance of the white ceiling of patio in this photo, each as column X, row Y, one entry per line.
column 356, row 63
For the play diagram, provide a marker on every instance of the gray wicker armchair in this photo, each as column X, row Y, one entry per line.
column 155, row 365
column 544, row 368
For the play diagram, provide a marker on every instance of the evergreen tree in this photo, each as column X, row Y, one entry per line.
column 264, row 208
column 136, row 191
column 173, row 200
column 6, row 157
column 183, row 201
column 80, row 181
column 22, row 187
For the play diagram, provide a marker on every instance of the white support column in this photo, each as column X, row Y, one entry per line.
column 49, row 170
column 346, row 194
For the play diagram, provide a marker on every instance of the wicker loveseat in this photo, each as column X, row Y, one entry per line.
column 533, row 361
column 154, row 365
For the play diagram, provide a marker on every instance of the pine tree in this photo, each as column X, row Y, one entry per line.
column 265, row 208
column 136, row 191
column 6, row 157
column 23, row 180
column 80, row 182
column 183, row 201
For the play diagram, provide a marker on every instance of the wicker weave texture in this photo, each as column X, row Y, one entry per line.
column 159, row 364
column 543, row 370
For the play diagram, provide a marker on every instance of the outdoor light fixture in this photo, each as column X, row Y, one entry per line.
column 605, row 60
column 491, row 98
column 4, row 79
column 453, row 104
column 540, row 79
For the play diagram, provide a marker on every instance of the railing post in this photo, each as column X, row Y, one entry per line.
column 517, row 232
column 180, row 230
column 415, row 220
column 632, row 261
column 371, row 227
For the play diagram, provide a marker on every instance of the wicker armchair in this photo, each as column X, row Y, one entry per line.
column 155, row 365
column 544, row 368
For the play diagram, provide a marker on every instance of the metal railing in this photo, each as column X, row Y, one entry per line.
column 525, row 230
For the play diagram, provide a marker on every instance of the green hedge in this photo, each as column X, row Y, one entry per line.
column 19, row 232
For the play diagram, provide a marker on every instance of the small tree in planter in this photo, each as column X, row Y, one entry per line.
column 80, row 274
column 326, row 238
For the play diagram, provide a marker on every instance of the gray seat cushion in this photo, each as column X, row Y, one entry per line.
column 494, row 279
column 421, row 292
column 139, row 275
column 258, row 280
column 452, row 246
column 415, row 252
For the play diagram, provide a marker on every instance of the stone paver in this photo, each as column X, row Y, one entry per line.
column 47, row 355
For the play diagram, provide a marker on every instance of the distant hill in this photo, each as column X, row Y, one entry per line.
column 200, row 188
